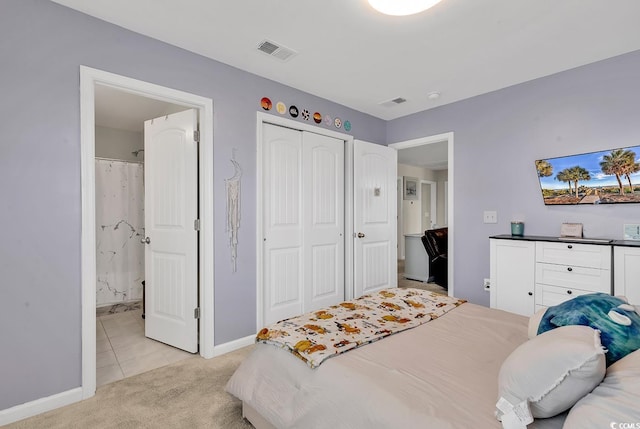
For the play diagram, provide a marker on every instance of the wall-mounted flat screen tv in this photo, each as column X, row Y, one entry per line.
column 605, row 177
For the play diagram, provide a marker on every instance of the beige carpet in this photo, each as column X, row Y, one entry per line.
column 187, row 394
column 403, row 282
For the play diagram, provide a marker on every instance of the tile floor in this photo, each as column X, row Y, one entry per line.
column 122, row 350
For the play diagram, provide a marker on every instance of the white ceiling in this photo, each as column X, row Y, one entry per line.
column 350, row 54
column 431, row 156
column 124, row 111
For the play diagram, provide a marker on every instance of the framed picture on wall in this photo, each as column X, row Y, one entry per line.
column 410, row 188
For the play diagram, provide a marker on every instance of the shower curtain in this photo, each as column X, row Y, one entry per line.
column 119, row 228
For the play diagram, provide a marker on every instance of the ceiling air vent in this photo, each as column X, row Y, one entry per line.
column 276, row 50
column 394, row 102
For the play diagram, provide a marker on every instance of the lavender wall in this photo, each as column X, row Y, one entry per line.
column 499, row 135
column 42, row 46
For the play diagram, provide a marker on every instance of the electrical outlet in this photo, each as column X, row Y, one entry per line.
column 487, row 284
column 490, row 217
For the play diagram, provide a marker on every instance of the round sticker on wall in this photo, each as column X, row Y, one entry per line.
column 317, row 118
column 347, row 126
column 265, row 103
column 337, row 122
column 327, row 120
column 305, row 114
column 281, row 108
column 293, row 111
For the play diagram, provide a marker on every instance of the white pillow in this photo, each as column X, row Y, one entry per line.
column 615, row 400
column 553, row 370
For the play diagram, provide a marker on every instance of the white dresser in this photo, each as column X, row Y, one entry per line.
column 565, row 270
column 513, row 275
column 416, row 260
column 530, row 273
column 626, row 273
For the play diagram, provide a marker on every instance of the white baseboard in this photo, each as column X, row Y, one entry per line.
column 30, row 409
column 233, row 345
column 58, row 400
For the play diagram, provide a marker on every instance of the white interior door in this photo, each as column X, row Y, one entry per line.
column 323, row 200
column 375, row 209
column 171, row 208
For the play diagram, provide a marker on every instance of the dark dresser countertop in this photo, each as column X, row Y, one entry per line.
column 600, row 241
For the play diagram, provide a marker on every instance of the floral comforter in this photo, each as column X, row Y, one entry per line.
column 321, row 334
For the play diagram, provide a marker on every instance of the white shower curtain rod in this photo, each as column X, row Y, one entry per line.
column 118, row 160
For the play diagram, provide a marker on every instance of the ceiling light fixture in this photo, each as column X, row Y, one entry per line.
column 402, row 7
column 433, row 95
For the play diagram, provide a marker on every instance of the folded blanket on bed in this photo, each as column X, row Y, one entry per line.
column 321, row 334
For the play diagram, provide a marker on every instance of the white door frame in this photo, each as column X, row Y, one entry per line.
column 439, row 138
column 433, row 214
column 434, row 188
column 399, row 219
column 89, row 77
column 264, row 118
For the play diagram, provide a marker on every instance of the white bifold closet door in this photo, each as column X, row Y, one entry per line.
column 303, row 222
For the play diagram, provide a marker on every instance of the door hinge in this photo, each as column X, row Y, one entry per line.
column 196, row 313
column 196, row 224
column 196, row 136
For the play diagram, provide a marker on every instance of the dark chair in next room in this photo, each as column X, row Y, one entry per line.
column 435, row 242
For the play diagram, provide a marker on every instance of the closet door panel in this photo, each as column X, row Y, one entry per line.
column 323, row 201
column 282, row 223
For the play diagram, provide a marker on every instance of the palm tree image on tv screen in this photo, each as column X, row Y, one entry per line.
column 606, row 177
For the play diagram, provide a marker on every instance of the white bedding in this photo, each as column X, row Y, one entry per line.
column 439, row 375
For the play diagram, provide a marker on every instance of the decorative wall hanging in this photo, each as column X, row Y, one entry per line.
column 233, row 209
column 265, row 103
column 327, row 119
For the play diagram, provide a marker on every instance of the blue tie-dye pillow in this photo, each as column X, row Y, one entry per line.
column 619, row 326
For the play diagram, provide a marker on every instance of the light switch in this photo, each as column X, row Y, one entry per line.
column 490, row 217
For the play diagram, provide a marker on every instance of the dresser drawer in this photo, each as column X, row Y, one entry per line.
column 588, row 279
column 547, row 296
column 574, row 254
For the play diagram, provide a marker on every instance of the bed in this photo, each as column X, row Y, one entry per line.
column 441, row 374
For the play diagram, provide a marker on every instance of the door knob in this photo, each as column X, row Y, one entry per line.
column 360, row 235
column 146, row 240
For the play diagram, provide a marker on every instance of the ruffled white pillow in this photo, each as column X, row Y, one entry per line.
column 615, row 400
column 553, row 370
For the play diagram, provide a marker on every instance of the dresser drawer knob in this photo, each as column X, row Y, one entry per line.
column 569, row 292
column 569, row 246
column 569, row 269
column 530, row 293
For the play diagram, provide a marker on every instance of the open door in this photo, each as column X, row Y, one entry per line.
column 171, row 250
column 375, row 217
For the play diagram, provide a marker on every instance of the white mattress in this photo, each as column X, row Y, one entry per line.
column 439, row 375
